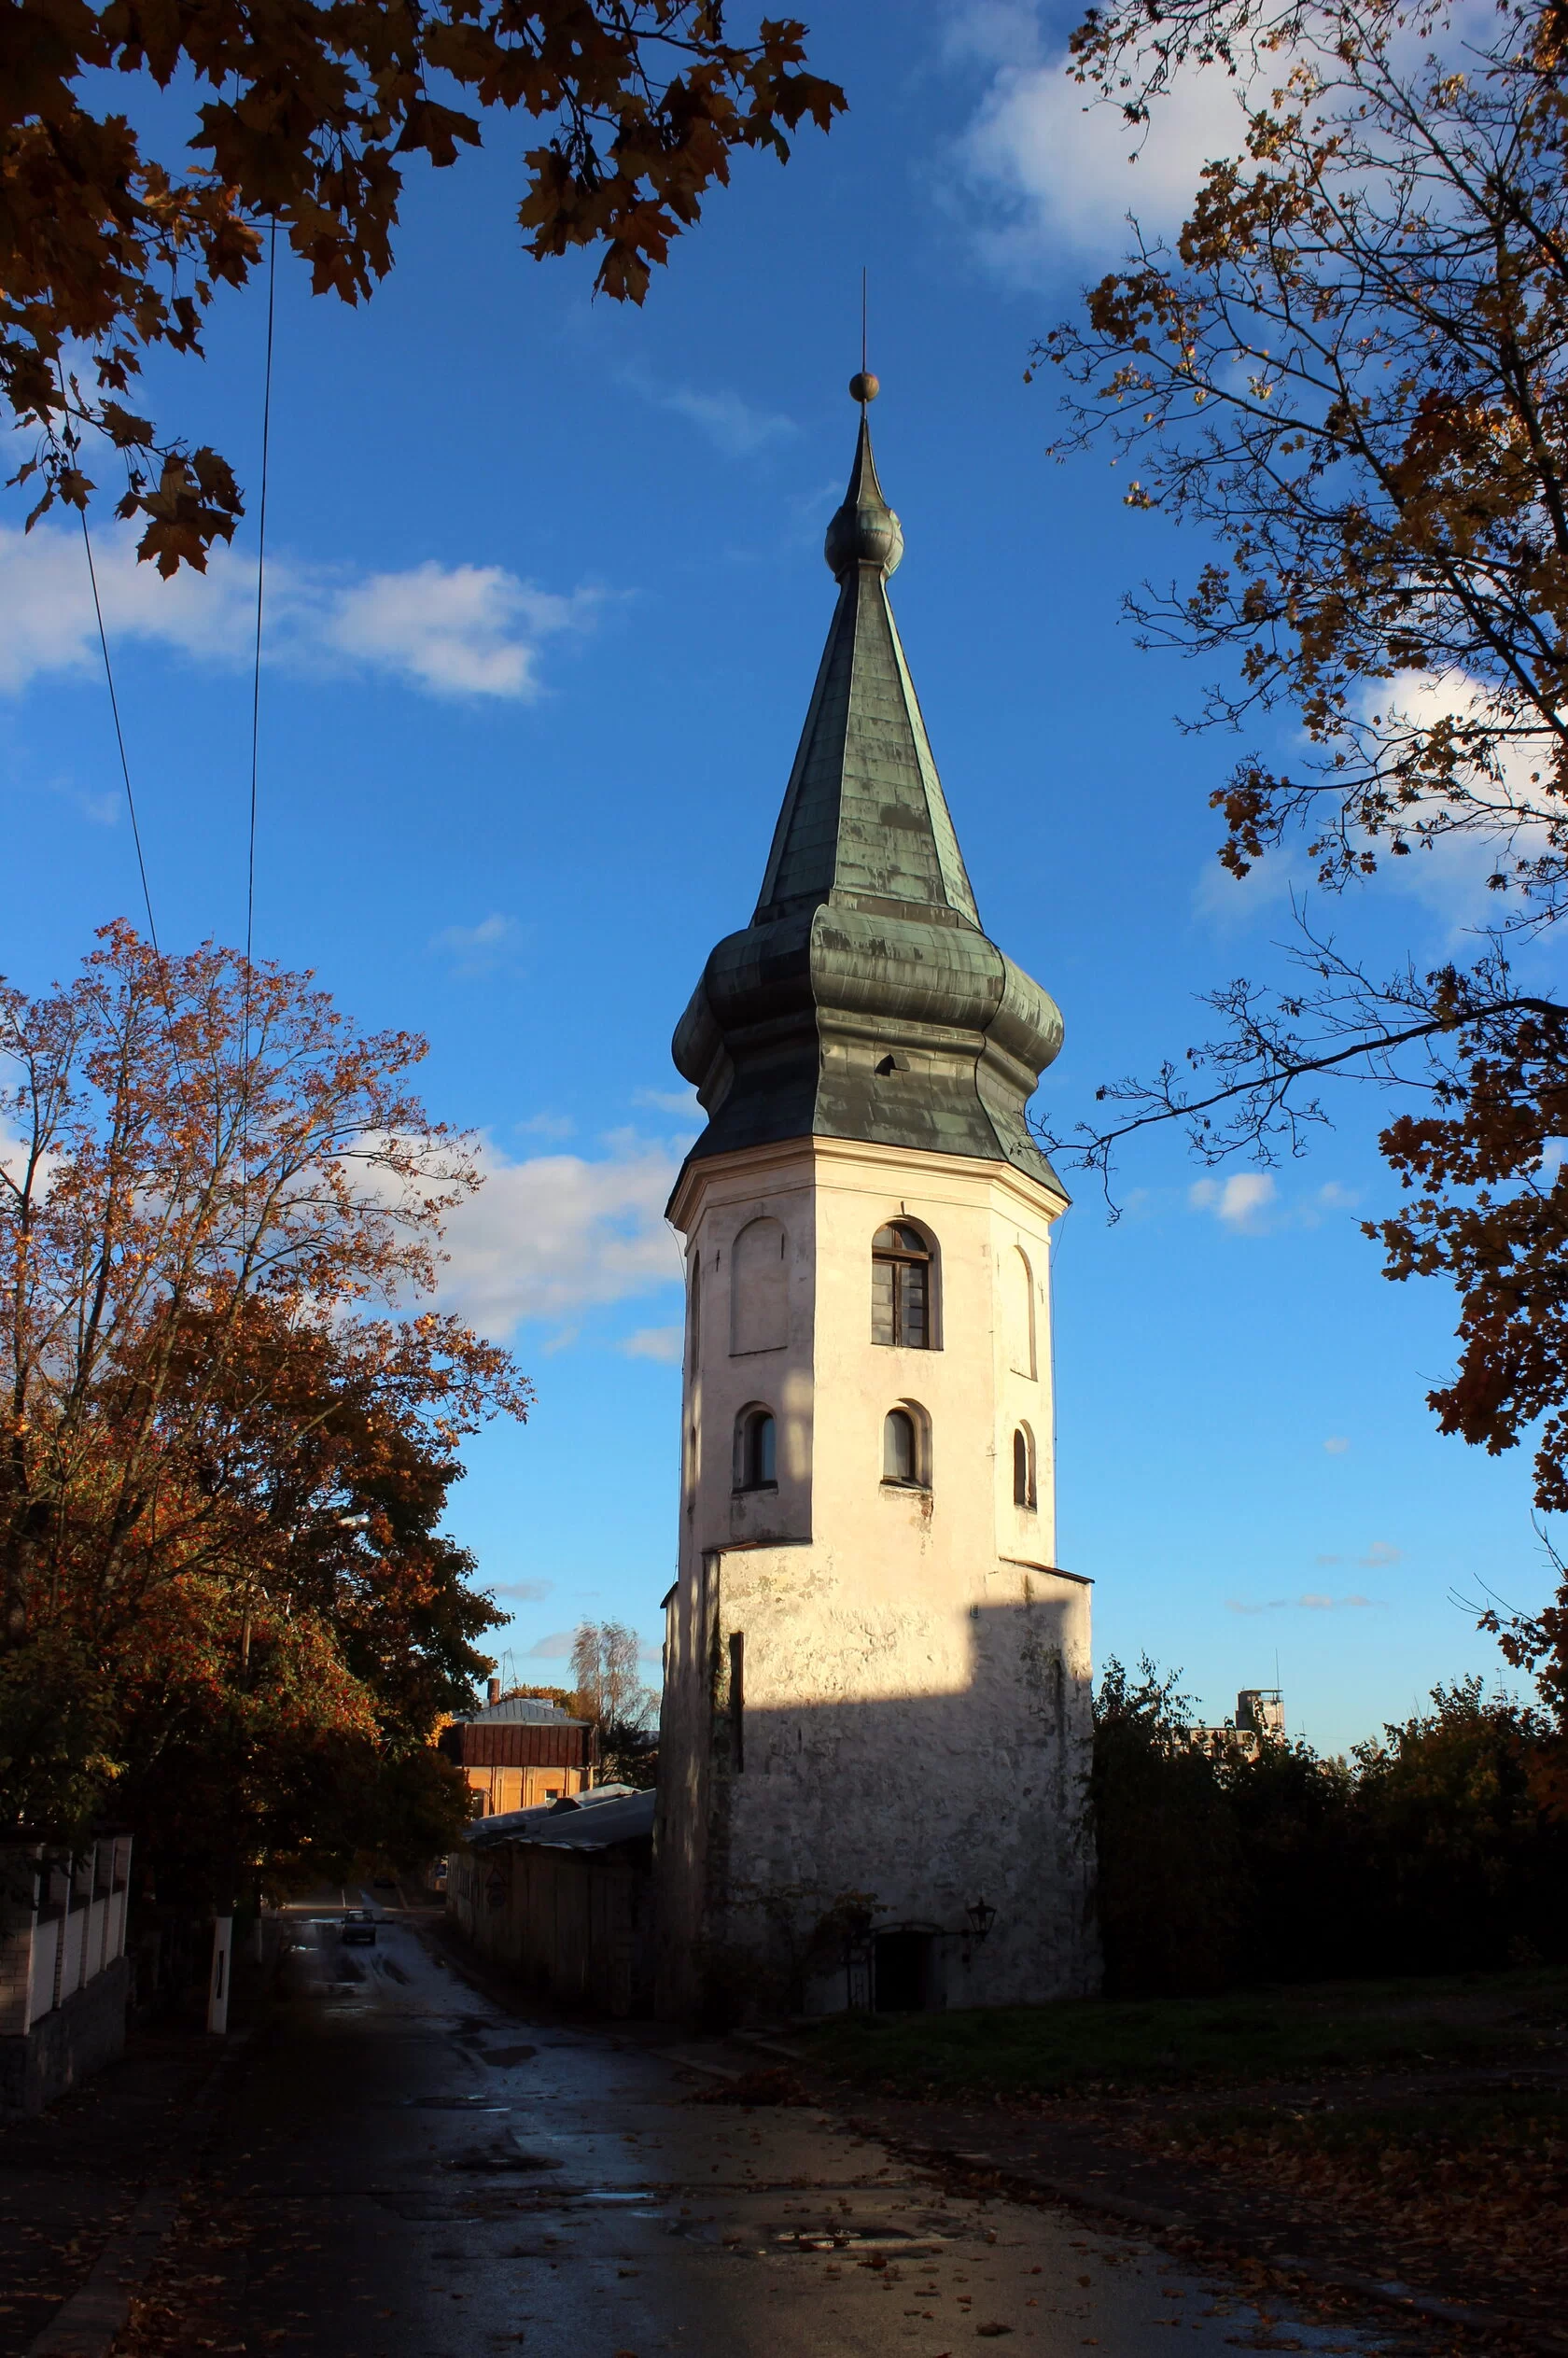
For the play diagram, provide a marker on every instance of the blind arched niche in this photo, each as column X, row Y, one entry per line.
column 758, row 1291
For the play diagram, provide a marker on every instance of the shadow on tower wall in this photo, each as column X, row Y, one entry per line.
column 924, row 1843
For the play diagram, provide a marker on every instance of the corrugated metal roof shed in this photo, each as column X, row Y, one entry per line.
column 532, row 1709
column 590, row 1821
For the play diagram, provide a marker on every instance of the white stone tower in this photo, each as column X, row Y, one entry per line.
column 873, row 1743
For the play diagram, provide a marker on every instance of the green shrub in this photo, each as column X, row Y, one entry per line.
column 1428, row 1851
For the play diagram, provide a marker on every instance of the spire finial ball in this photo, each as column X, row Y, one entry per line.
column 863, row 386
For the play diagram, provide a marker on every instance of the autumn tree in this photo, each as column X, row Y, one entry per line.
column 304, row 118
column 222, row 1761
column 1350, row 370
column 606, row 1671
column 564, row 1698
column 226, row 1440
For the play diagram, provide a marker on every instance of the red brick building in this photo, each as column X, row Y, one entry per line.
column 520, row 1752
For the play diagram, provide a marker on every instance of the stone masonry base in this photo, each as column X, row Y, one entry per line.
column 67, row 2045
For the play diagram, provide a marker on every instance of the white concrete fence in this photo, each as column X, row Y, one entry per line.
column 62, row 1921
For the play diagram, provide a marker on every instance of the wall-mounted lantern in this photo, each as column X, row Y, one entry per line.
column 980, row 1916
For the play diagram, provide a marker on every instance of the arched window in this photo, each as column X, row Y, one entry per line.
column 900, row 1446
column 1023, row 1467
column 756, row 1457
column 902, row 1294
column 905, row 1457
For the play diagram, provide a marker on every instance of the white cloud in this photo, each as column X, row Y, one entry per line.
column 1309, row 1603
column 1249, row 1204
column 526, row 1592
column 478, row 950
column 1446, row 874
column 555, row 1235
column 1336, row 1444
column 450, row 630
column 556, row 1647
column 669, row 1100
column 455, row 630
column 1240, row 1202
column 734, row 426
column 1378, row 1554
column 1449, row 874
column 1227, row 902
column 546, row 1126
column 655, row 1342
column 1046, row 169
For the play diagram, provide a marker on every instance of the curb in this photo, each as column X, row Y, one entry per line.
column 87, row 2324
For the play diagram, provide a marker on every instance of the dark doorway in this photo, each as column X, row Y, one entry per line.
column 901, row 1964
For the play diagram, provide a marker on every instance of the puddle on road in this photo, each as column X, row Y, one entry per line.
column 890, row 2239
column 454, row 2104
column 497, row 2161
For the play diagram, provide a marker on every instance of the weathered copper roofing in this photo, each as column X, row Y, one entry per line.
column 864, row 1001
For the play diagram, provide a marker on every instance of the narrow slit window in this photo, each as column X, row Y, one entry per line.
column 1023, row 1467
column 901, row 1287
column 738, row 1701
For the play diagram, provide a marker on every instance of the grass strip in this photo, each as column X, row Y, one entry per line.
column 1102, row 2044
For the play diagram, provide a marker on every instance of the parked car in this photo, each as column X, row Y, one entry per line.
column 358, row 1924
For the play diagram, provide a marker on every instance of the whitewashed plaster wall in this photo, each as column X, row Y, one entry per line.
column 916, row 1668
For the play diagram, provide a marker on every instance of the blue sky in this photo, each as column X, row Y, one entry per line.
column 547, row 596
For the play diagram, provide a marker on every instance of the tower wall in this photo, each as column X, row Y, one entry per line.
column 876, row 1697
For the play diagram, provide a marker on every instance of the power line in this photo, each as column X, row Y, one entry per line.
column 255, row 710
column 119, row 734
column 130, row 805
column 261, row 591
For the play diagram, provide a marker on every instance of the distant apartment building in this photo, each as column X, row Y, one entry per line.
column 520, row 1752
column 1260, row 1718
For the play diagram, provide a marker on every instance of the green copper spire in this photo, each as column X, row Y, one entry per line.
column 864, row 820
column 863, row 1000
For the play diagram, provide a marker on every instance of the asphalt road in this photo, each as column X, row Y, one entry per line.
column 406, row 2171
